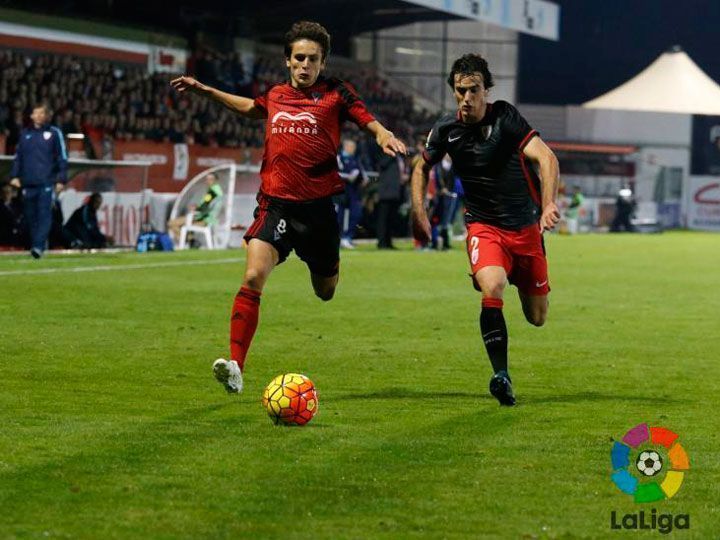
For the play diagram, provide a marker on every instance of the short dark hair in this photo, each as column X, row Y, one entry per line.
column 468, row 64
column 41, row 105
column 307, row 30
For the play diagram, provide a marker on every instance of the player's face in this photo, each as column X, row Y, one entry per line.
column 305, row 63
column 39, row 116
column 471, row 96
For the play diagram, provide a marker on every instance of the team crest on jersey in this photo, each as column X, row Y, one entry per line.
column 303, row 123
column 47, row 135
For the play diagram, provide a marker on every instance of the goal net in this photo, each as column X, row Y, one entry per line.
column 234, row 212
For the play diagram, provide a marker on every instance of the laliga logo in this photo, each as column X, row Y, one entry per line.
column 278, row 125
column 649, row 464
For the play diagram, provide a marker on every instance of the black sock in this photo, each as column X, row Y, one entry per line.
column 494, row 334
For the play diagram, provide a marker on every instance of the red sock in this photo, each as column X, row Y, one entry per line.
column 243, row 323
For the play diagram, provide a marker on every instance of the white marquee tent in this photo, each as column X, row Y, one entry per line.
column 673, row 83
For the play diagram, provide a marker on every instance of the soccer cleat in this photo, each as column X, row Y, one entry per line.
column 346, row 243
column 36, row 253
column 228, row 373
column 501, row 388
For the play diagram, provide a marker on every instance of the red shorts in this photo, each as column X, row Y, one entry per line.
column 521, row 253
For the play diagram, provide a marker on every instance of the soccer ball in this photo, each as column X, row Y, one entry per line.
column 290, row 399
column 649, row 463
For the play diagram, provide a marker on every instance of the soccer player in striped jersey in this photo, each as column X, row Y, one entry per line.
column 508, row 205
column 299, row 176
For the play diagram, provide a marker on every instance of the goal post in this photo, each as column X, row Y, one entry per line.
column 239, row 184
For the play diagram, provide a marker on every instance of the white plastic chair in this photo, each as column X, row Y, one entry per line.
column 204, row 230
column 216, row 236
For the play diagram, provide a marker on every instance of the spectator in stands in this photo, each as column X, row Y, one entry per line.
column 572, row 212
column 445, row 204
column 102, row 98
column 624, row 211
column 390, row 187
column 12, row 225
column 205, row 214
column 82, row 230
column 349, row 204
column 40, row 165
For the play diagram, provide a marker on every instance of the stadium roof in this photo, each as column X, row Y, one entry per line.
column 268, row 21
column 673, row 83
column 343, row 19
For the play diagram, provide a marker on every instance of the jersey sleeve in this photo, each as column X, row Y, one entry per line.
column 16, row 171
column 435, row 147
column 354, row 107
column 262, row 101
column 515, row 128
column 61, row 156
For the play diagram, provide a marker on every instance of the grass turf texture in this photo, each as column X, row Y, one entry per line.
column 112, row 426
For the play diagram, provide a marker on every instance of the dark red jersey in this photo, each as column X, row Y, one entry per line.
column 302, row 135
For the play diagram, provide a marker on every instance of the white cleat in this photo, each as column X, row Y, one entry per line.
column 228, row 373
column 345, row 243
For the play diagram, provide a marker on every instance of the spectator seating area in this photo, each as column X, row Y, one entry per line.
column 124, row 102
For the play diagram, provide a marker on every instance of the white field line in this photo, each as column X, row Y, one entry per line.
column 109, row 267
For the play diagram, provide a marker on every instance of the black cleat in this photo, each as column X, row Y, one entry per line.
column 36, row 253
column 501, row 388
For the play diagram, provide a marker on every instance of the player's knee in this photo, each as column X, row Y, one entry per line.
column 253, row 279
column 493, row 289
column 536, row 316
column 325, row 293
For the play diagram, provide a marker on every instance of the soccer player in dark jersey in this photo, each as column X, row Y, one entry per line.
column 299, row 176
column 508, row 204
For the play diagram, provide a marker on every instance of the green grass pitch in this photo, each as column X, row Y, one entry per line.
column 111, row 425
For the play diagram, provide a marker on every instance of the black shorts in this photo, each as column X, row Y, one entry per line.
column 310, row 228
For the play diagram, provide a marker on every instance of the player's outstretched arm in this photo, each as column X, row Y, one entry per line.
column 241, row 105
column 418, row 184
column 539, row 153
column 385, row 139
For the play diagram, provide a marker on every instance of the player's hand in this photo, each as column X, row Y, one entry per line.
column 421, row 226
column 550, row 217
column 15, row 182
column 390, row 145
column 181, row 84
column 59, row 187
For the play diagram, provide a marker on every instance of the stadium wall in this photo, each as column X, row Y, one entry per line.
column 662, row 179
column 420, row 55
column 157, row 57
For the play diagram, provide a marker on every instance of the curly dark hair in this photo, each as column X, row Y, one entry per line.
column 307, row 30
column 469, row 64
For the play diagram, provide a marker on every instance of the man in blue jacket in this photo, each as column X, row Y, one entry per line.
column 354, row 177
column 40, row 163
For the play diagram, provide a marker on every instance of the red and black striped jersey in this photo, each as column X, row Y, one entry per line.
column 500, row 187
column 302, row 136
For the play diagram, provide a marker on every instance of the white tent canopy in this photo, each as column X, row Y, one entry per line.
column 673, row 84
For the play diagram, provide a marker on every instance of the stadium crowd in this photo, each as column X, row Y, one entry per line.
column 102, row 98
